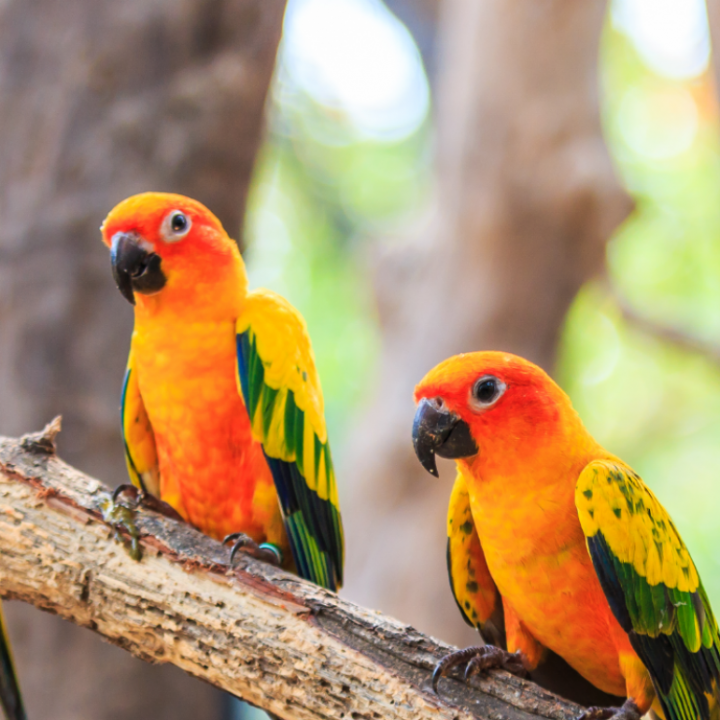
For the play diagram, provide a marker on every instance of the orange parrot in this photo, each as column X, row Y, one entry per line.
column 581, row 556
column 222, row 411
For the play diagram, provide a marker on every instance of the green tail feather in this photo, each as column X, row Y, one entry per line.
column 10, row 697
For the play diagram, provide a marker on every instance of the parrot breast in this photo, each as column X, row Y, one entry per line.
column 536, row 554
column 211, row 470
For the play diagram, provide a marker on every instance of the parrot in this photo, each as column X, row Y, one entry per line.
column 567, row 539
column 10, row 697
column 222, row 411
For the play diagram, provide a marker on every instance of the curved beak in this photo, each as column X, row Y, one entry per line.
column 437, row 431
column 134, row 268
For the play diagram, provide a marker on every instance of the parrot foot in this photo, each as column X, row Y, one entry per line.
column 628, row 711
column 267, row 552
column 145, row 499
column 120, row 517
column 478, row 659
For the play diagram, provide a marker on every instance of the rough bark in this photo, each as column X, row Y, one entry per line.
column 282, row 643
column 525, row 201
column 99, row 100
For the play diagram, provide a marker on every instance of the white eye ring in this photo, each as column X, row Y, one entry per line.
column 486, row 391
column 175, row 226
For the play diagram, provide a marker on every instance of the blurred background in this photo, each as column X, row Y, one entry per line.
column 419, row 177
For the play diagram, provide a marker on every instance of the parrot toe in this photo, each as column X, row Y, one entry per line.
column 629, row 711
column 266, row 552
column 479, row 659
column 150, row 502
column 121, row 519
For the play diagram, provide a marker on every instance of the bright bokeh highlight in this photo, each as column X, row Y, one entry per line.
column 671, row 36
column 353, row 55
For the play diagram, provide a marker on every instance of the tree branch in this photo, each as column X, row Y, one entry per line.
column 665, row 333
column 260, row 633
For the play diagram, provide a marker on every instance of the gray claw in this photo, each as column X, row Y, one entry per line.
column 478, row 659
column 267, row 552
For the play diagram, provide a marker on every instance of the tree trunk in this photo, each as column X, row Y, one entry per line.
column 99, row 100
column 525, row 201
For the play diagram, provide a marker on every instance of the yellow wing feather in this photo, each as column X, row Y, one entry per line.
column 140, row 451
column 652, row 587
column 610, row 497
column 279, row 383
column 470, row 580
column 284, row 344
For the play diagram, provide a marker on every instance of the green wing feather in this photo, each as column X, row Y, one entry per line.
column 138, row 437
column 653, row 588
column 281, row 390
column 10, row 697
column 472, row 586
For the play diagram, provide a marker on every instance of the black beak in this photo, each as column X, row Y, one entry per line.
column 437, row 431
column 134, row 268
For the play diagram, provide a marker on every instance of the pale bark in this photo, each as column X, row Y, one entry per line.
column 281, row 643
column 100, row 99
column 525, row 201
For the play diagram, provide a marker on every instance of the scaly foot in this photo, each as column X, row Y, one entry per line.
column 122, row 517
column 141, row 498
column 628, row 711
column 478, row 659
column 267, row 552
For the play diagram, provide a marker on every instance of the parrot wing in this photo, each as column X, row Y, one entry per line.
column 10, row 697
column 652, row 587
column 138, row 437
column 281, row 391
column 472, row 586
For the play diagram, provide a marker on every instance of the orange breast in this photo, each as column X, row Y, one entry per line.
column 211, row 469
column 536, row 554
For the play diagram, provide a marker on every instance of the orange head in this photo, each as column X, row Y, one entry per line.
column 170, row 250
column 491, row 407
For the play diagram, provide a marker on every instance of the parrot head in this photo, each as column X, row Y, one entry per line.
column 169, row 247
column 489, row 404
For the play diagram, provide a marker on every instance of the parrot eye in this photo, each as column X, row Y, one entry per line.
column 487, row 391
column 176, row 226
column 178, row 222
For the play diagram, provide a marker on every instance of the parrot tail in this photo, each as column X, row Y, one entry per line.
column 10, row 697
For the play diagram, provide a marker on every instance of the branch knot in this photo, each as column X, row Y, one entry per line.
column 43, row 442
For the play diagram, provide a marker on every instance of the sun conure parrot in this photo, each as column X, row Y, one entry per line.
column 579, row 552
column 222, row 411
column 10, row 697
